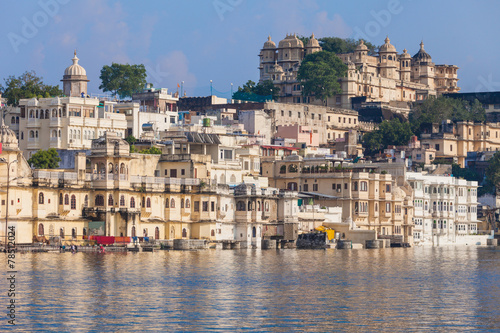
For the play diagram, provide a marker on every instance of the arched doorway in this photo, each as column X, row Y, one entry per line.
column 157, row 233
column 184, row 233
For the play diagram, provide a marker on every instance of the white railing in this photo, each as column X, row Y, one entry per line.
column 54, row 175
column 163, row 180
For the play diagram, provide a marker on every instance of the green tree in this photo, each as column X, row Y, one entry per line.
column 389, row 133
column 27, row 85
column 257, row 92
column 320, row 73
column 151, row 150
column 45, row 159
column 347, row 45
column 493, row 171
column 436, row 110
column 122, row 80
column 130, row 139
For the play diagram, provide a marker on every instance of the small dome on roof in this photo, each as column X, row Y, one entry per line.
column 75, row 69
column 405, row 54
column 350, row 64
column 313, row 42
column 8, row 137
column 387, row 47
column 361, row 46
column 290, row 41
column 269, row 44
column 421, row 55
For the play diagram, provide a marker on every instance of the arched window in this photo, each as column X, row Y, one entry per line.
column 73, row 201
column 249, row 206
column 122, row 168
column 13, row 120
column 254, row 232
column 258, row 206
column 172, row 203
column 133, row 231
column 110, row 200
column 22, row 135
column 99, row 200
column 122, row 201
column 266, row 205
column 182, row 203
column 240, row 206
column 86, row 201
column 61, row 233
column 66, row 199
column 61, row 198
column 157, row 233
column 167, row 203
column 32, row 134
column 41, row 230
column 40, row 198
column 188, row 203
column 73, row 233
column 132, row 202
column 148, row 202
column 212, row 233
column 184, row 232
column 84, row 232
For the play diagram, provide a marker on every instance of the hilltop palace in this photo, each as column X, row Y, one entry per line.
column 385, row 77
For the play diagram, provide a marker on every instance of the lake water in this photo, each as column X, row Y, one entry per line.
column 435, row 289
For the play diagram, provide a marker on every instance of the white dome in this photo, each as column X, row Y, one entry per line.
column 8, row 137
column 75, row 69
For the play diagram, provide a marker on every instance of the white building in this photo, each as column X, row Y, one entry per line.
column 445, row 210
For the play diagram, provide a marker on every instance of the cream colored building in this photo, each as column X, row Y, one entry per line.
column 386, row 77
column 454, row 140
column 370, row 200
column 70, row 122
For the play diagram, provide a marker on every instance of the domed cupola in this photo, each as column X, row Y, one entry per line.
column 421, row 55
column 75, row 79
column 8, row 137
column 269, row 44
column 387, row 47
column 312, row 45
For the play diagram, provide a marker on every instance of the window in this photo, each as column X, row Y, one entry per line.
column 122, row 201
column 388, row 188
column 73, row 202
column 148, row 202
column 188, row 203
column 205, row 206
column 184, row 232
column 183, row 172
column 306, row 187
column 99, row 200
column 40, row 198
column 41, row 230
column 172, row 203
column 437, row 146
column 196, row 206
column 363, row 186
column 132, row 202
column 110, row 200
column 66, row 199
column 212, row 206
column 355, row 186
column 387, row 207
column 315, row 187
column 289, row 113
column 182, row 203
column 167, row 203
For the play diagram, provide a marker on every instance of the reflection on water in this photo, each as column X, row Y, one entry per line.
column 438, row 289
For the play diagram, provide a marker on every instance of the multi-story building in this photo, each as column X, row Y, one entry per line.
column 445, row 209
column 454, row 140
column 112, row 192
column 370, row 199
column 385, row 77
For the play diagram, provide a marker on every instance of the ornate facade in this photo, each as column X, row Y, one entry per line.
column 387, row 77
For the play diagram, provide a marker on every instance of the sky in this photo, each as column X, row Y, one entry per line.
column 219, row 40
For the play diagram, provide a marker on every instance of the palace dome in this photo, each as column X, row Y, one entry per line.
column 8, row 137
column 75, row 69
column 421, row 55
column 269, row 44
column 405, row 54
column 387, row 47
column 361, row 46
column 313, row 42
column 290, row 41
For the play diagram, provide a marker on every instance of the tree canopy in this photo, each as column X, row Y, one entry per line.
column 151, row 150
column 391, row 132
column 320, row 73
column 45, row 159
column 344, row 45
column 257, row 92
column 493, row 172
column 122, row 79
column 436, row 110
column 27, row 85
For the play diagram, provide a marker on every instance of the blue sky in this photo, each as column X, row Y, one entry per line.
column 219, row 40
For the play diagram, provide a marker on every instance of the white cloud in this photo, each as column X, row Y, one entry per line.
column 325, row 27
column 169, row 70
